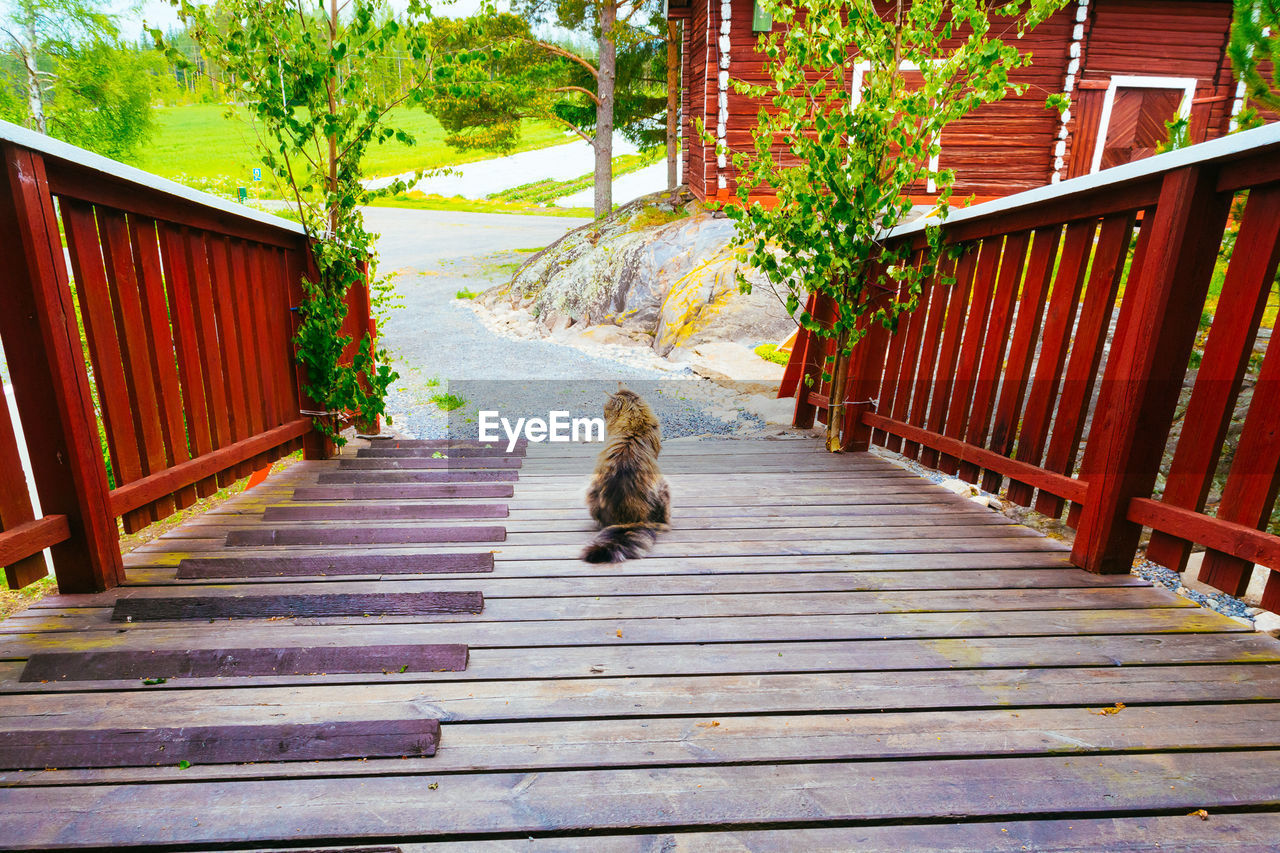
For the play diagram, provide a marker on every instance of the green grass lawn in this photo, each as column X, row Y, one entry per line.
column 198, row 143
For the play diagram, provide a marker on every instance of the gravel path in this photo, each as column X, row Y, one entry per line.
column 439, row 347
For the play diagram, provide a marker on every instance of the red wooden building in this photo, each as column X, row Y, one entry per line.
column 1129, row 66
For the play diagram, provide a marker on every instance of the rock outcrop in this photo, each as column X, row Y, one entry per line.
column 661, row 267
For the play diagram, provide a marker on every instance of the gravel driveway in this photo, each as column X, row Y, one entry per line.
column 439, row 347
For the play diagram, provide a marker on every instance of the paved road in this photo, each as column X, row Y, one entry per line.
column 438, row 345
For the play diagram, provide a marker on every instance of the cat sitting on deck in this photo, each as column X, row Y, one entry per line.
column 628, row 497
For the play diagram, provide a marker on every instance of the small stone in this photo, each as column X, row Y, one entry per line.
column 1254, row 611
column 981, row 500
column 957, row 486
column 1267, row 623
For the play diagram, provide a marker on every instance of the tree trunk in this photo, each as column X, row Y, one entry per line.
column 35, row 95
column 839, row 389
column 604, row 108
column 333, row 111
column 673, row 103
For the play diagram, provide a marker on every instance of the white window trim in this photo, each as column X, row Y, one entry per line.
column 1186, row 84
column 855, row 97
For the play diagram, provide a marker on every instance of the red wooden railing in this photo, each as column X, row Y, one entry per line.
column 1056, row 360
column 161, row 329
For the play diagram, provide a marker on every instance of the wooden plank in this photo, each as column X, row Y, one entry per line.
column 1106, row 270
column 1241, row 541
column 143, row 491
column 146, row 570
column 179, row 282
column 1245, row 292
column 451, row 448
column 217, row 384
column 384, row 513
column 242, row 295
column 37, row 749
column 144, row 241
column 105, row 351
column 1253, row 482
column 402, row 493
column 265, row 607
column 426, row 464
column 949, row 350
column 662, row 630
column 1022, row 349
column 135, row 349
column 334, row 564
column 354, row 478
column 993, row 345
column 960, row 394
column 742, row 796
column 216, row 604
column 1145, row 371
column 1030, row 474
column 1226, row 832
column 923, row 388
column 20, row 542
column 229, row 346
column 242, row 662
column 45, row 358
column 362, row 535
column 1059, row 322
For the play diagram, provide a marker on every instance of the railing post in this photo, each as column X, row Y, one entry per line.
column 1145, row 371
column 46, row 362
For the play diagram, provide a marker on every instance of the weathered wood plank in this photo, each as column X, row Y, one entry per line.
column 347, row 478
column 384, row 513
column 268, row 606
column 398, row 493
column 25, row 638
column 335, row 564
column 36, row 749
column 242, row 662
column 1225, row 831
column 124, row 670
column 627, row 799
column 361, row 535
column 540, row 745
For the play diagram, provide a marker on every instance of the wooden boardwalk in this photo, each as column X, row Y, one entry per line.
column 824, row 653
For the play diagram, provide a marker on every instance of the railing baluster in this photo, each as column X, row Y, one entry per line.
column 43, row 350
column 1060, row 319
column 169, row 391
column 1092, row 326
column 939, row 296
column 178, row 279
column 1022, row 349
column 1245, row 291
column 1145, row 371
column 949, row 351
column 993, row 347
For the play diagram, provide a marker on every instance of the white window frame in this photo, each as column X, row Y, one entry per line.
column 1186, row 84
column 855, row 97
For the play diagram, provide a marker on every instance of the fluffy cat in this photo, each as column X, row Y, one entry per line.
column 628, row 497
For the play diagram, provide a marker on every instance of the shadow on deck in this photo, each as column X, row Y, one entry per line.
column 825, row 653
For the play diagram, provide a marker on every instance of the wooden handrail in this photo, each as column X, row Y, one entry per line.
column 184, row 367
column 1057, row 360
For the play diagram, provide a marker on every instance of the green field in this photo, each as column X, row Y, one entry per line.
column 199, row 145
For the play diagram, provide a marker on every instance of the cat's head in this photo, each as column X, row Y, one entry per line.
column 625, row 406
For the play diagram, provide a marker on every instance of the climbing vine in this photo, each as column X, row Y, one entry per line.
column 302, row 73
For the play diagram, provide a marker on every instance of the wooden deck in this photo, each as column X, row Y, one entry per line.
column 825, row 653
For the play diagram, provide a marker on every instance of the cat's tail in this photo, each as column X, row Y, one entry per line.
column 619, row 542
